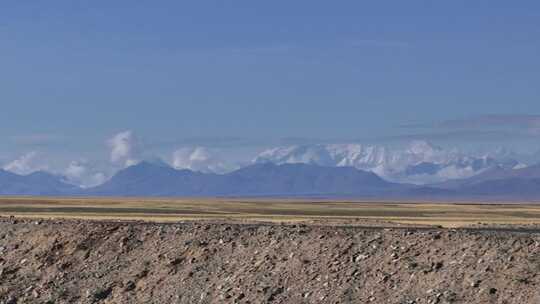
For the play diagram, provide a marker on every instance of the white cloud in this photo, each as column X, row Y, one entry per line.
column 26, row 164
column 82, row 174
column 199, row 159
column 75, row 170
column 124, row 149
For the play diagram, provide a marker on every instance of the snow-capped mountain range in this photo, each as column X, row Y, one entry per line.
column 419, row 163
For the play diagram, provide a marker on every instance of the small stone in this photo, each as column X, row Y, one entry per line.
column 360, row 257
column 11, row 300
column 175, row 261
column 102, row 294
column 493, row 291
column 129, row 286
column 476, row 283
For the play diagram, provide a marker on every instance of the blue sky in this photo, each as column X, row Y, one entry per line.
column 257, row 73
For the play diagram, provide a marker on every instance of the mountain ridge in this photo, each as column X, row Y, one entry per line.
column 156, row 179
column 258, row 179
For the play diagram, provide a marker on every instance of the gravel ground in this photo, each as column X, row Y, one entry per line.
column 210, row 262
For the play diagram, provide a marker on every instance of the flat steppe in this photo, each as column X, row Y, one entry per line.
column 274, row 210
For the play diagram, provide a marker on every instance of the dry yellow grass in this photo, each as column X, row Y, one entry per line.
column 444, row 214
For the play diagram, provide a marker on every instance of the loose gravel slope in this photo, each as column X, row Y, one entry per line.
column 205, row 262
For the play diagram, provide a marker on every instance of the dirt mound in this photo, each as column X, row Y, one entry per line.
column 96, row 262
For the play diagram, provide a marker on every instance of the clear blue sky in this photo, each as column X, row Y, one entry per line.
column 204, row 72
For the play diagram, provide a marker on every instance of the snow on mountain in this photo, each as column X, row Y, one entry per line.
column 352, row 155
column 419, row 163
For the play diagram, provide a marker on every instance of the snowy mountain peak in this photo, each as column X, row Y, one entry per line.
column 420, row 162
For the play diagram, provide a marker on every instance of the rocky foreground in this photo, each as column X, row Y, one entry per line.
column 93, row 262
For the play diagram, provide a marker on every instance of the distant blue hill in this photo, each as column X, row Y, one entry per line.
column 147, row 179
column 157, row 179
column 498, row 182
column 423, row 168
column 37, row 183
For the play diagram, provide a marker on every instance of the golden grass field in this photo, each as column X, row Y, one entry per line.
column 275, row 210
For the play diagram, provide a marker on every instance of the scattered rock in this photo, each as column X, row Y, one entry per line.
column 11, row 300
column 129, row 286
column 101, row 293
column 476, row 283
column 360, row 257
column 412, row 265
column 191, row 262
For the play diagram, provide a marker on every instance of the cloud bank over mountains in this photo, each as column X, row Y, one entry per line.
column 418, row 162
column 26, row 164
column 200, row 159
column 83, row 174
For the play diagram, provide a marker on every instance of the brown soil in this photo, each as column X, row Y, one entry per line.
column 211, row 262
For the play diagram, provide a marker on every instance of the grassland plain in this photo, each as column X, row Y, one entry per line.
column 273, row 210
